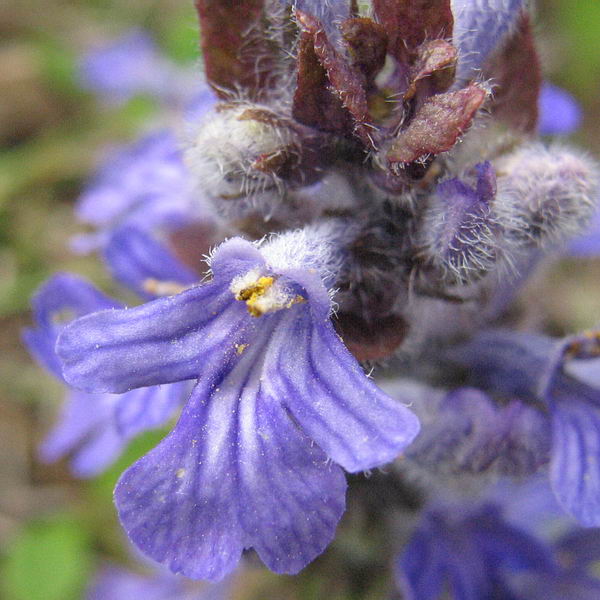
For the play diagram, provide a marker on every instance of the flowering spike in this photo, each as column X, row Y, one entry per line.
column 342, row 119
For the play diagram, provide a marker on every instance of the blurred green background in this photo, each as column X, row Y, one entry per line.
column 54, row 529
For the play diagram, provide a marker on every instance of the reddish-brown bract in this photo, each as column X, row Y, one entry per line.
column 438, row 125
column 314, row 103
column 411, row 22
column 367, row 45
column 434, row 66
column 236, row 53
column 347, row 82
column 517, row 78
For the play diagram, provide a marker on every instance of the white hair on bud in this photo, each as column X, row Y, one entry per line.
column 321, row 247
column 545, row 195
column 223, row 157
column 462, row 252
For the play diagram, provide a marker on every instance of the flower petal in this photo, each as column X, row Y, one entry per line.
column 235, row 473
column 95, row 428
column 146, row 183
column 61, row 298
column 147, row 408
column 420, row 570
column 473, row 548
column 132, row 65
column 511, row 363
column 113, row 583
column 575, row 463
column 134, row 257
column 320, row 382
column 169, row 339
column 85, row 430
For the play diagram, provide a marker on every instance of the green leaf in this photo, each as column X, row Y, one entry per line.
column 181, row 40
column 581, row 22
column 50, row 560
column 59, row 67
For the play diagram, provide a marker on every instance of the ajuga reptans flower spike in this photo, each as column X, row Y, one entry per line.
column 374, row 191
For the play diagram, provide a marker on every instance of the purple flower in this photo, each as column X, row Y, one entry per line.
column 143, row 192
column 464, row 432
column 139, row 262
column 470, row 550
column 145, row 184
column 93, row 428
column 560, row 114
column 279, row 404
column 477, row 553
column 561, row 378
column 133, row 65
column 578, row 551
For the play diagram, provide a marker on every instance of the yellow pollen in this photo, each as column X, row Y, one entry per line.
column 239, row 348
column 253, row 292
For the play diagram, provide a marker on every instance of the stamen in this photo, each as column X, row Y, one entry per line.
column 262, row 296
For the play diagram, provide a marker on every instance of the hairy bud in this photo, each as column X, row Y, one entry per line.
column 242, row 156
column 545, row 195
column 459, row 231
